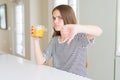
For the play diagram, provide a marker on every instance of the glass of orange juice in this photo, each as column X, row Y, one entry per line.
column 38, row 31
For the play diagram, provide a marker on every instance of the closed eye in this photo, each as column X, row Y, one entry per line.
column 60, row 17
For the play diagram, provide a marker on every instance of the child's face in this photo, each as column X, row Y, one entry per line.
column 57, row 20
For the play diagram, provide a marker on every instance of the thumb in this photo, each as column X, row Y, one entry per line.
column 69, row 40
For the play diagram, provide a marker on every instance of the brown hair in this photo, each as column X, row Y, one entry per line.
column 67, row 14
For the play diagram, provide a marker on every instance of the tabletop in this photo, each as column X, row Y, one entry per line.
column 16, row 68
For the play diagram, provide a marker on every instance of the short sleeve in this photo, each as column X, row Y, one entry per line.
column 83, row 40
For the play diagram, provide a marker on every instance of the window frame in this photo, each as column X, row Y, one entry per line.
column 22, row 54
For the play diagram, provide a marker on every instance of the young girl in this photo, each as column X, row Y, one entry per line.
column 69, row 42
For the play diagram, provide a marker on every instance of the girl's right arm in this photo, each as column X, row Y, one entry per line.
column 39, row 58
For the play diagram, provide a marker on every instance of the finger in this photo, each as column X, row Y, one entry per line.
column 32, row 31
column 71, row 37
column 69, row 41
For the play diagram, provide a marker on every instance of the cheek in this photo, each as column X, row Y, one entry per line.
column 62, row 22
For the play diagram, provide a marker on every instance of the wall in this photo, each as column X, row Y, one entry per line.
column 101, row 54
column 36, row 12
column 5, row 35
column 39, row 15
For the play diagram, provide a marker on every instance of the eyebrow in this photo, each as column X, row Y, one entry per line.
column 56, row 16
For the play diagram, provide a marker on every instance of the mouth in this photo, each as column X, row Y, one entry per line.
column 57, row 27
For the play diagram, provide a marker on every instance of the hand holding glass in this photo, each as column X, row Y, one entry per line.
column 38, row 31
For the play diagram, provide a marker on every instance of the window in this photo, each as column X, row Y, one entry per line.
column 19, row 29
column 118, row 28
column 58, row 2
column 3, row 24
column 72, row 3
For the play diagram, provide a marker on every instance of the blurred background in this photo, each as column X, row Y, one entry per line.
column 17, row 17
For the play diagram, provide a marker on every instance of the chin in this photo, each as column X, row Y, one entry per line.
column 57, row 29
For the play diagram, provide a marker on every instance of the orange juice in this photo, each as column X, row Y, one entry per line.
column 38, row 31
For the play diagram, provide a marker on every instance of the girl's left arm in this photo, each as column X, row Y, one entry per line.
column 91, row 30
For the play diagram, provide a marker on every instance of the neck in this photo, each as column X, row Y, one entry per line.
column 63, row 37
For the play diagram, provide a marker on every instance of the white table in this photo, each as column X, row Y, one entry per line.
column 16, row 68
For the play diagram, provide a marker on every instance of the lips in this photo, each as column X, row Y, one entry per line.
column 57, row 28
